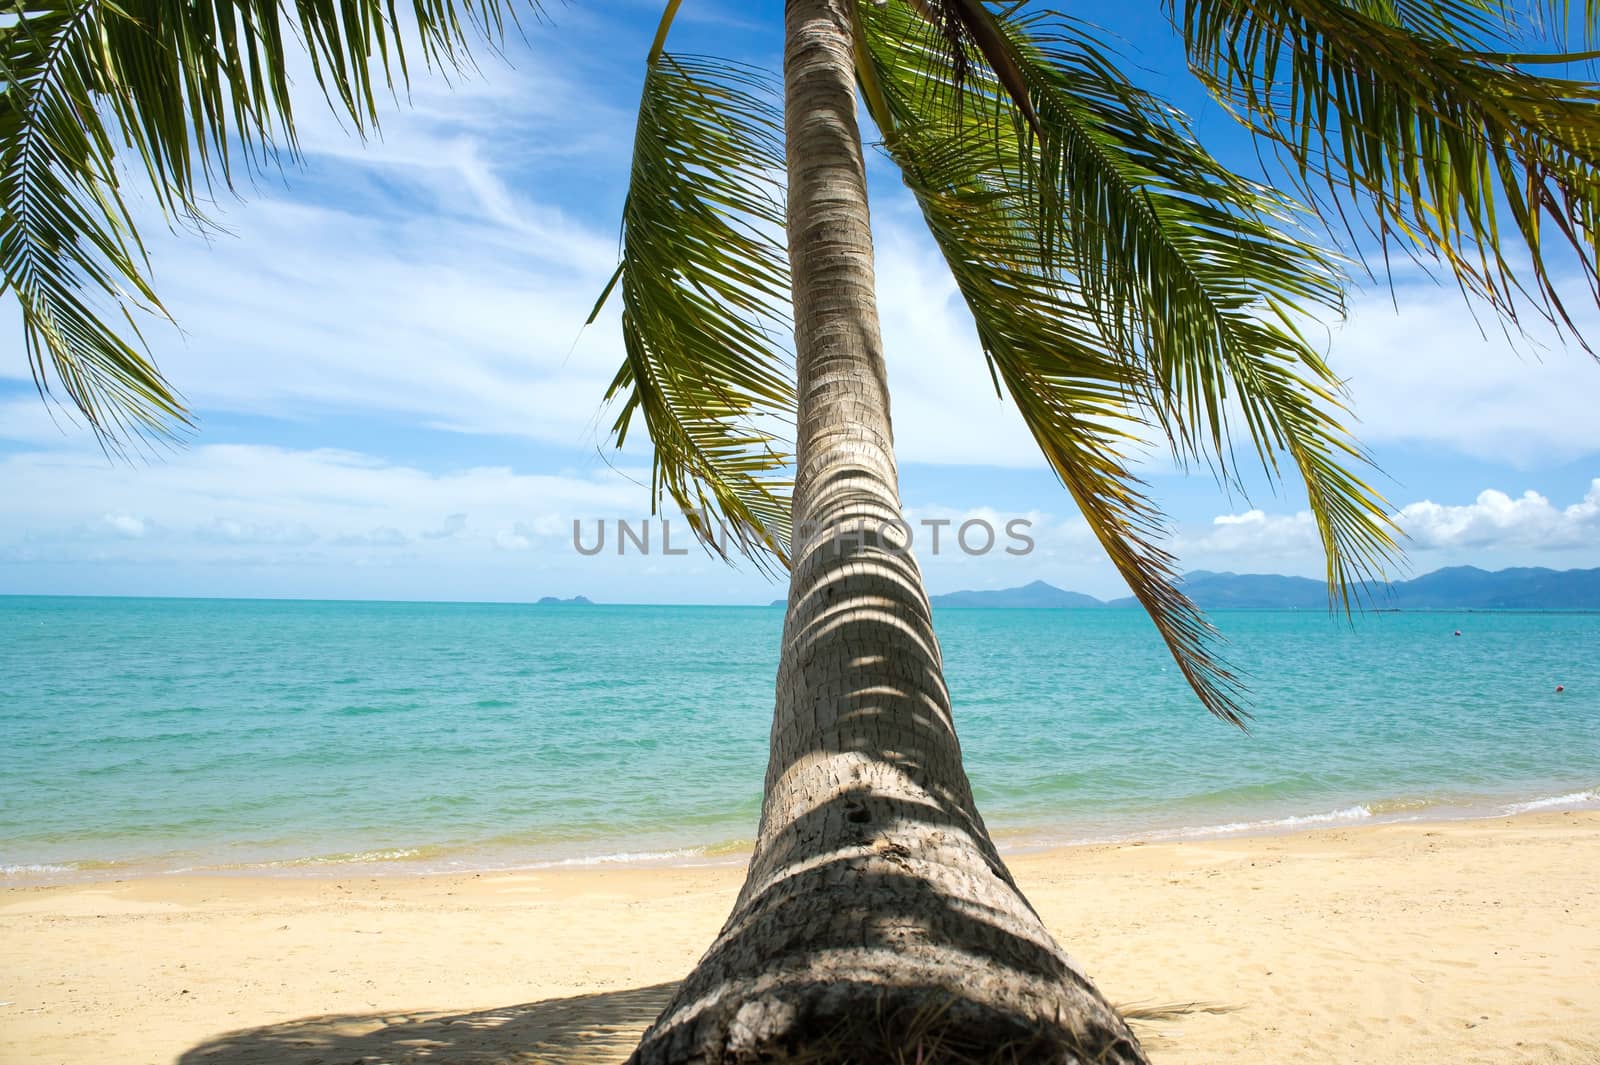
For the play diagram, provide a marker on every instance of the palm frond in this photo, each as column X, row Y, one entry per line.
column 705, row 300
column 183, row 88
column 64, row 225
column 1422, row 117
column 1119, row 276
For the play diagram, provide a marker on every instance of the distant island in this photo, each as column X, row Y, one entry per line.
column 1453, row 588
column 1038, row 594
column 576, row 600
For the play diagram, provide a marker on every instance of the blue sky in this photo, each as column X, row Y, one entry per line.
column 395, row 400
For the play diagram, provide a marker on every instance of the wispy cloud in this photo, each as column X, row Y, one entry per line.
column 1422, row 371
column 246, row 519
column 437, row 278
column 439, row 275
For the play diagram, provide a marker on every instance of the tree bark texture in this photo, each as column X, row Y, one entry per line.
column 877, row 923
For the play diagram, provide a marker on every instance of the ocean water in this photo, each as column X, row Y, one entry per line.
column 161, row 735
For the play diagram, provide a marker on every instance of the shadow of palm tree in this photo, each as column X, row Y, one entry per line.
column 583, row 1030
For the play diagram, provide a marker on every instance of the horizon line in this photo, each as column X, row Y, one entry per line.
column 751, row 606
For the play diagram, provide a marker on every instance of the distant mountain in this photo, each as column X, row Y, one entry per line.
column 1510, row 589
column 1455, row 588
column 1249, row 591
column 1037, row 594
column 576, row 600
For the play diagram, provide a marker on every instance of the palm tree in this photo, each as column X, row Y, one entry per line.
column 1123, row 283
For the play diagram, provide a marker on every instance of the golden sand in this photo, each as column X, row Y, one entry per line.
column 1414, row 944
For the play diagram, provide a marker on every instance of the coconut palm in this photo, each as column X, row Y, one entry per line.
column 1125, row 285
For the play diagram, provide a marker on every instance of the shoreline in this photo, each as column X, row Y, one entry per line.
column 1406, row 943
column 1013, row 840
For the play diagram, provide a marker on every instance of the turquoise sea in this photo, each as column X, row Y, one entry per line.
column 166, row 734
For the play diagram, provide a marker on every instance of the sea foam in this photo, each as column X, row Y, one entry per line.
column 1573, row 800
column 40, row 869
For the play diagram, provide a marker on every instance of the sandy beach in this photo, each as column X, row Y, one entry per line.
column 1435, row 944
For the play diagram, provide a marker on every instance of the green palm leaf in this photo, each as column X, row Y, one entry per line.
column 1420, row 115
column 705, row 292
column 64, row 225
column 1120, row 277
column 185, row 87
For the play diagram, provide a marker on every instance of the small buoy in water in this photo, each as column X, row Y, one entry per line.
column 1458, row 632
column 1561, row 687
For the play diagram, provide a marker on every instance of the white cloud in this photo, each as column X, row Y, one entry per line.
column 1420, row 371
column 447, row 295
column 386, row 536
column 454, row 525
column 457, row 325
column 513, row 539
column 1494, row 530
column 471, row 324
column 1495, row 519
column 942, row 399
column 232, row 531
column 1253, row 534
column 125, row 525
column 237, row 519
column 251, row 495
column 405, row 278
column 25, row 418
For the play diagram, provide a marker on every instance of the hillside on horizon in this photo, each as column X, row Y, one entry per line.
column 1452, row 588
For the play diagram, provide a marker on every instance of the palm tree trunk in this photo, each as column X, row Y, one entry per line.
column 877, row 919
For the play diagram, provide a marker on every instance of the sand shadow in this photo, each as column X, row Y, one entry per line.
column 583, row 1030
column 599, row 1029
